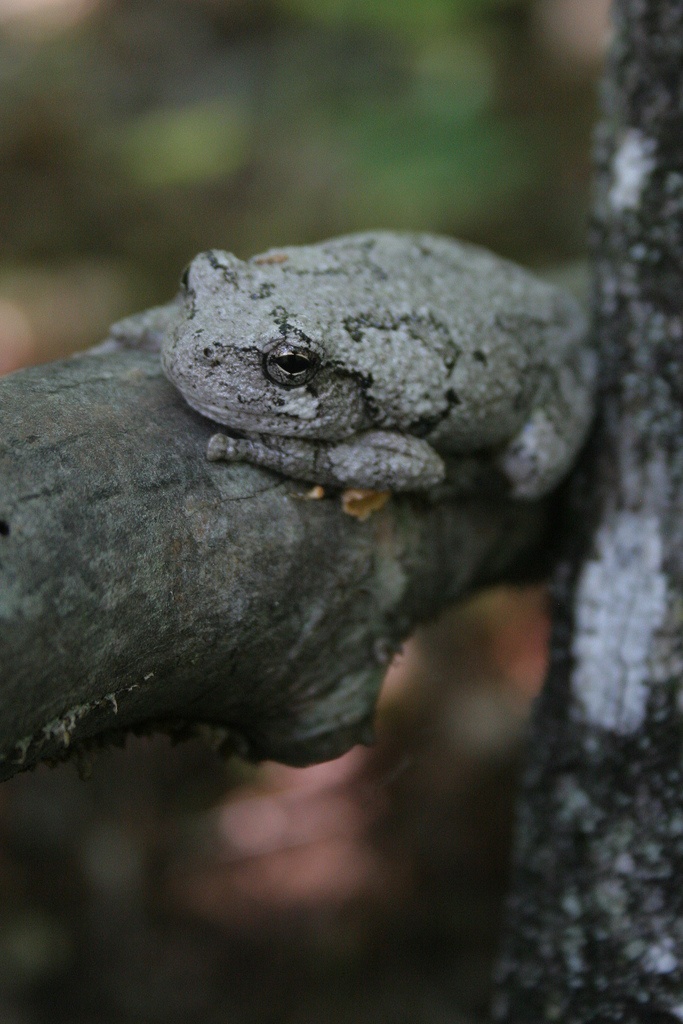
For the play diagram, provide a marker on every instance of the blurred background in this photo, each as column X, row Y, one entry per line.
column 173, row 886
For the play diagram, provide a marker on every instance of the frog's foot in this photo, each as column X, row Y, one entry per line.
column 542, row 453
column 378, row 460
column 535, row 459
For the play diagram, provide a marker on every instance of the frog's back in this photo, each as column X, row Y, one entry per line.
column 412, row 268
column 478, row 298
column 452, row 341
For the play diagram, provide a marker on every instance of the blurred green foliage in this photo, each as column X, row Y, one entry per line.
column 426, row 18
column 181, row 145
column 151, row 129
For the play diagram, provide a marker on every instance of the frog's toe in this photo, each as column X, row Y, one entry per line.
column 221, row 447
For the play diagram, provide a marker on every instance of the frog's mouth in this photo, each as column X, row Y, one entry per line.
column 244, row 422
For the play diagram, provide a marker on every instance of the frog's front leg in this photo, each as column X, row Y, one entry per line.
column 375, row 460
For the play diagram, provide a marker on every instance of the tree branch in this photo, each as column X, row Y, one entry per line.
column 595, row 931
column 142, row 586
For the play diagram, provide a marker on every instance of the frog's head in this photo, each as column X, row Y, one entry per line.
column 251, row 348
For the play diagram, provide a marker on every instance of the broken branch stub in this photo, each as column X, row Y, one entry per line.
column 142, row 586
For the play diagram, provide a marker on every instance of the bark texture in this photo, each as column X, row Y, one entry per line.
column 142, row 586
column 595, row 931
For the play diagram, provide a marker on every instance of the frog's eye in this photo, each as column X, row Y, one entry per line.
column 290, row 365
column 185, row 278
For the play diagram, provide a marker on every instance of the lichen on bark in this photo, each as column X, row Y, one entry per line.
column 595, row 925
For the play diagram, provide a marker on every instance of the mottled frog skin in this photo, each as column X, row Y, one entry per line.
column 379, row 360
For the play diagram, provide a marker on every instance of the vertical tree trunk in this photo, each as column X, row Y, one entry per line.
column 595, row 929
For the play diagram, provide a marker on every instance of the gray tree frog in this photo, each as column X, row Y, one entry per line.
column 380, row 361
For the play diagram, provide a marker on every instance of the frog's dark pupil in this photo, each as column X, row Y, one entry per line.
column 185, row 278
column 293, row 364
column 289, row 366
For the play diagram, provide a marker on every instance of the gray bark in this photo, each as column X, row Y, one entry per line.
column 595, row 929
column 142, row 586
